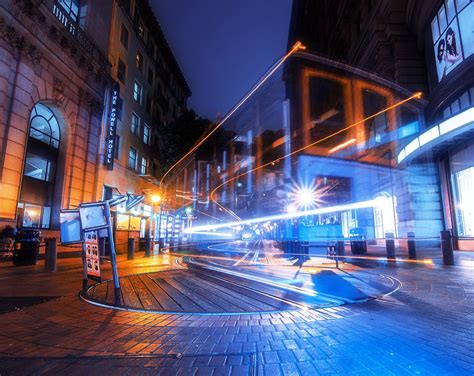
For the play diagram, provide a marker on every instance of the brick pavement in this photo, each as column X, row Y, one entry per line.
column 424, row 328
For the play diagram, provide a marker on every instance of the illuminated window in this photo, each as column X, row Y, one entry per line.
column 146, row 134
column 137, row 92
column 76, row 9
column 124, row 36
column 141, row 30
column 135, row 125
column 144, row 166
column 139, row 61
column 132, row 158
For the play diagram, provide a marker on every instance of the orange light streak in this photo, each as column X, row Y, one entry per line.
column 414, row 96
column 297, row 46
column 342, row 146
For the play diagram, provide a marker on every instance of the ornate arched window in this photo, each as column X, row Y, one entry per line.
column 36, row 198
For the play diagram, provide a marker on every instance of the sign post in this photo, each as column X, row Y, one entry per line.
column 113, row 258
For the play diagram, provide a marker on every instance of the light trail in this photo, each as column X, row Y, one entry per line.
column 414, row 96
column 325, row 210
column 296, row 47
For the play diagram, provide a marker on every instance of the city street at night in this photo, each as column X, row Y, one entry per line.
column 236, row 188
column 402, row 332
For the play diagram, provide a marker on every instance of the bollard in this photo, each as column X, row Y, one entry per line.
column 340, row 248
column 447, row 247
column 131, row 249
column 148, row 247
column 390, row 245
column 50, row 259
column 411, row 246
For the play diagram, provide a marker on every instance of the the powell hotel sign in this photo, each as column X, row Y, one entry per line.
column 111, row 134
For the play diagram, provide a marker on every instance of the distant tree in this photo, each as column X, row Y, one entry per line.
column 179, row 136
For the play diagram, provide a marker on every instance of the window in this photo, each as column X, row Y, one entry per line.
column 121, row 69
column 146, row 134
column 139, row 61
column 76, row 10
column 452, row 30
column 124, row 36
column 144, row 166
column 38, row 167
column 132, row 158
column 327, row 108
column 135, row 126
column 150, row 77
column 141, row 30
column 44, row 126
column 137, row 92
column 36, row 196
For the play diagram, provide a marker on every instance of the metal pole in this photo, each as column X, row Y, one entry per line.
column 131, row 249
column 411, row 246
column 390, row 244
column 51, row 255
column 148, row 243
column 113, row 258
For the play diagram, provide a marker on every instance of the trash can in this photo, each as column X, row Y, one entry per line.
column 358, row 242
column 28, row 252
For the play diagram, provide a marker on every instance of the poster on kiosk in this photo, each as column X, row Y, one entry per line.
column 94, row 223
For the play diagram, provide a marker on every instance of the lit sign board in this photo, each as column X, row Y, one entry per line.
column 453, row 35
column 112, row 131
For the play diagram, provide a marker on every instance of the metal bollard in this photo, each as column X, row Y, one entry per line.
column 411, row 246
column 447, row 247
column 390, row 245
column 340, row 248
column 51, row 253
column 131, row 249
column 148, row 247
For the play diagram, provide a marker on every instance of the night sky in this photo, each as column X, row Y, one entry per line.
column 223, row 46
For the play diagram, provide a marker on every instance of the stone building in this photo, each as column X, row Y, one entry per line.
column 53, row 78
column 60, row 62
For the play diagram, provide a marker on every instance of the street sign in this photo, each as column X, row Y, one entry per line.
column 93, row 216
column 70, row 227
column 112, row 129
column 91, row 252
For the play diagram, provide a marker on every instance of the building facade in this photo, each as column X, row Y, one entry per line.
column 53, row 79
column 424, row 46
column 61, row 61
column 152, row 92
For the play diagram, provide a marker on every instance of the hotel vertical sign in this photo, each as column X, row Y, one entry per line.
column 112, row 129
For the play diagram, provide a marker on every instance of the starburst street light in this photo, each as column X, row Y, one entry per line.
column 308, row 196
